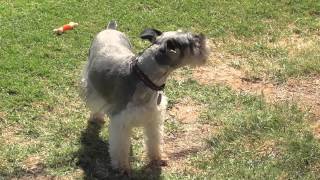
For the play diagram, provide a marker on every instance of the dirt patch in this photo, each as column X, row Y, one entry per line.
column 2, row 116
column 33, row 165
column 304, row 91
column 297, row 44
column 188, row 139
column 268, row 148
column 218, row 74
column 218, row 69
column 33, row 168
column 186, row 111
column 9, row 135
column 35, row 177
column 316, row 128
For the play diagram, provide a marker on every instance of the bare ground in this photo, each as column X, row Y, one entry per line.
column 304, row 91
column 189, row 138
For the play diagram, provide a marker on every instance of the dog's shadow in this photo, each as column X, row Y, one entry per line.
column 94, row 158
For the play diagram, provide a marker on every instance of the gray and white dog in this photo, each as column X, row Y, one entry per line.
column 128, row 87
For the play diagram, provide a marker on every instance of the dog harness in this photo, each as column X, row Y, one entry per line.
column 143, row 77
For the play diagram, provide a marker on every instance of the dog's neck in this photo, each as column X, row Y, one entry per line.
column 156, row 73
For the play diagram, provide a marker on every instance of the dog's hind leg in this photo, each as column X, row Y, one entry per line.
column 119, row 143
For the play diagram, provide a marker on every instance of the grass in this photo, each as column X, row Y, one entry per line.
column 288, row 56
column 41, row 114
column 258, row 140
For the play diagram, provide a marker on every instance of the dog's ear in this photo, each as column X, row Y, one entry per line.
column 150, row 34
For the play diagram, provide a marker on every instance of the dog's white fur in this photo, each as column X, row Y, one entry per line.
column 149, row 116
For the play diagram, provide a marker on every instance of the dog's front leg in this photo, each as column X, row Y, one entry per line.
column 153, row 132
column 119, row 144
column 97, row 117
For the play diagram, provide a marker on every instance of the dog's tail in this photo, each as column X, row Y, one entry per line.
column 112, row 25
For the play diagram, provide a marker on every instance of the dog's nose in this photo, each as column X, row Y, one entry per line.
column 200, row 40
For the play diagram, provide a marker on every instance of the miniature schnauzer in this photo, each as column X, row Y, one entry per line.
column 129, row 88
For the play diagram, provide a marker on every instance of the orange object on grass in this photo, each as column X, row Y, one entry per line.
column 65, row 27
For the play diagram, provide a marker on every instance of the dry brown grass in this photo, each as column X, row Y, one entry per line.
column 189, row 139
column 297, row 44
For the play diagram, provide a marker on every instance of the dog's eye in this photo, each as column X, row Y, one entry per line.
column 171, row 45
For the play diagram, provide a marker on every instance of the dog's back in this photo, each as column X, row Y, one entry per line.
column 110, row 43
column 107, row 81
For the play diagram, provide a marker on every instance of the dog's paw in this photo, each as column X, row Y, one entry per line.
column 158, row 163
column 97, row 118
column 125, row 172
column 122, row 169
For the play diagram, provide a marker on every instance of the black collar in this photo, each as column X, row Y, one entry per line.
column 143, row 77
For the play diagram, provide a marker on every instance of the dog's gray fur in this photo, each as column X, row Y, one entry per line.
column 110, row 86
column 108, row 73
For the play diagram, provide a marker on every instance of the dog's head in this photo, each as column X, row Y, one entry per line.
column 176, row 48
